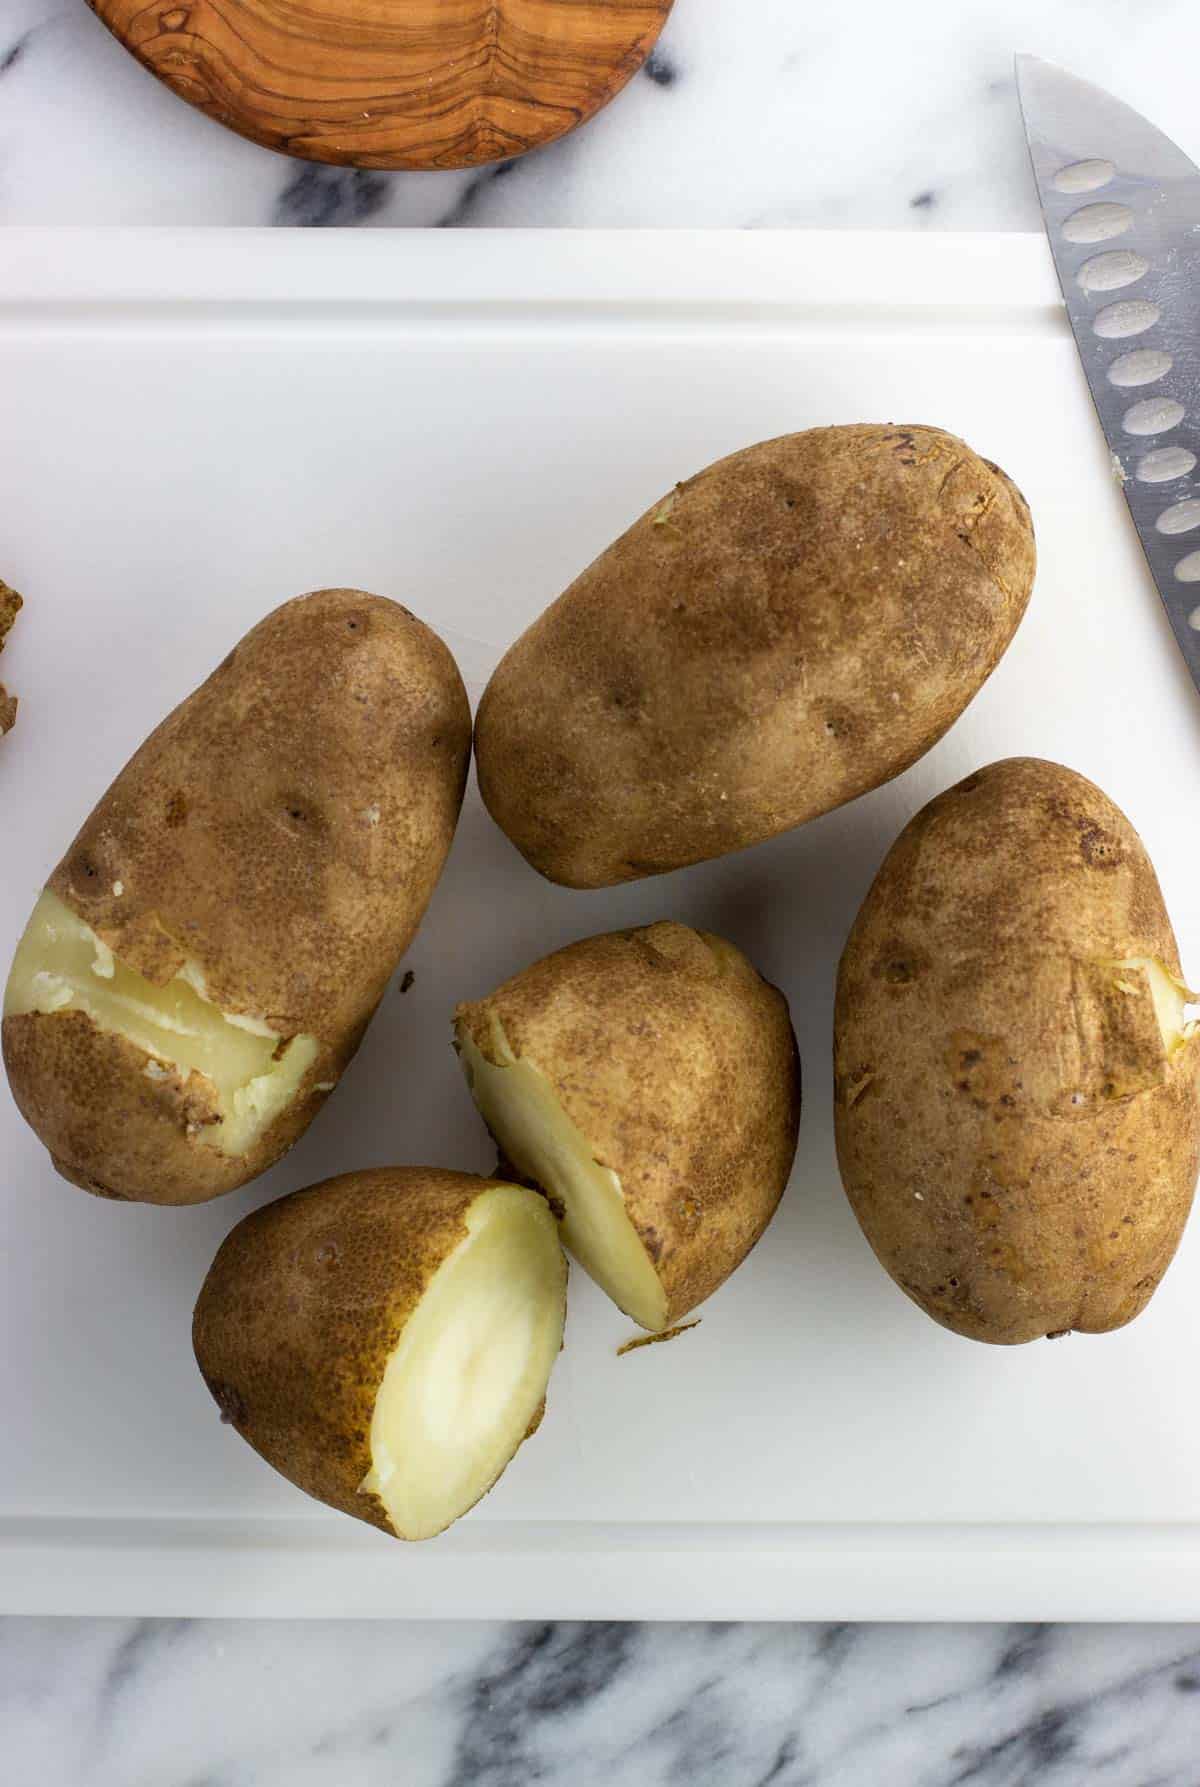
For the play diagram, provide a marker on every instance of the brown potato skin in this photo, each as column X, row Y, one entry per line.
column 683, row 1074
column 10, row 606
column 787, row 630
column 1016, row 1145
column 304, row 1303
column 240, row 834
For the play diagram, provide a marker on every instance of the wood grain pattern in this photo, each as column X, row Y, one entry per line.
column 392, row 83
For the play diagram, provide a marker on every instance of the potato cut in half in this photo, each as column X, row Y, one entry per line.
column 648, row 1082
column 385, row 1339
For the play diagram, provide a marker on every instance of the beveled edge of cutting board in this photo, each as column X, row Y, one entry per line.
column 467, row 269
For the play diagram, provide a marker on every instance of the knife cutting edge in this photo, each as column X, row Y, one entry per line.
column 1121, row 204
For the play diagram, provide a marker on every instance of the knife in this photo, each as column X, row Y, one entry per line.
column 1121, row 204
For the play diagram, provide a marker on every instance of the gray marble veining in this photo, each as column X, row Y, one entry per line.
column 166, row 1703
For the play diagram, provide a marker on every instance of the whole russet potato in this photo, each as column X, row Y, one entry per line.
column 783, row 632
column 648, row 1082
column 385, row 1339
column 1017, row 1105
column 207, row 955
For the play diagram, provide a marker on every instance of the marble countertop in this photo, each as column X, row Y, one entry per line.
column 166, row 1703
column 764, row 114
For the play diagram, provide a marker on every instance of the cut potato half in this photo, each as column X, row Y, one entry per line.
column 648, row 1082
column 519, row 1106
column 385, row 1339
column 61, row 965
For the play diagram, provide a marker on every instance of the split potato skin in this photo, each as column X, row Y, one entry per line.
column 1018, row 1140
column 281, row 832
column 677, row 1064
column 795, row 625
column 306, row 1301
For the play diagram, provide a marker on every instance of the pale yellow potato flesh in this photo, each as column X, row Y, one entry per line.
column 61, row 965
column 1171, row 999
column 469, row 1374
column 519, row 1106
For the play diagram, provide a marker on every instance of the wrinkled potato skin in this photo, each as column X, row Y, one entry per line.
column 241, row 836
column 681, row 1070
column 787, row 630
column 304, row 1303
column 1018, row 1149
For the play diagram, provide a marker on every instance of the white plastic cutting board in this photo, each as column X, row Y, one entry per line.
column 198, row 425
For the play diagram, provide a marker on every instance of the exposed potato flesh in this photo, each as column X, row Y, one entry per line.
column 61, row 965
column 470, row 1371
column 648, row 1082
column 384, row 1339
column 1171, row 999
column 519, row 1106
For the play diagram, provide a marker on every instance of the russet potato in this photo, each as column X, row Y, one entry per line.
column 385, row 1339
column 1017, row 1101
column 648, row 1082
column 205, row 959
column 777, row 635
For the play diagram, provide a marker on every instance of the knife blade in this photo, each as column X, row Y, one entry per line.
column 1121, row 205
